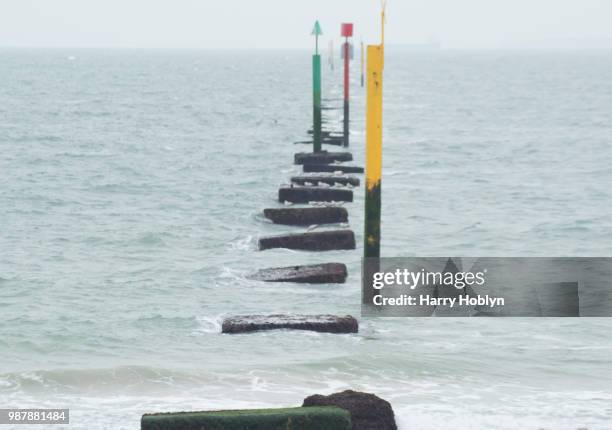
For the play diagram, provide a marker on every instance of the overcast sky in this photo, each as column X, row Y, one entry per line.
column 287, row 23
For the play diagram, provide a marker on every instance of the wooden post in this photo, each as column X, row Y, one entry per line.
column 361, row 57
column 316, row 90
column 374, row 119
column 346, row 31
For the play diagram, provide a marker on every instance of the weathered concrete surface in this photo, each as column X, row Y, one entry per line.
column 320, row 418
column 314, row 194
column 318, row 323
column 320, row 167
column 328, row 273
column 311, row 241
column 368, row 411
column 326, row 179
column 307, row 216
column 323, row 157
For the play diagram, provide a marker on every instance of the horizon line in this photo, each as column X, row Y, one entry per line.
column 408, row 45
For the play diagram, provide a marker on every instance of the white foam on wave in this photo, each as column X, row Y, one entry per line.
column 208, row 324
column 243, row 244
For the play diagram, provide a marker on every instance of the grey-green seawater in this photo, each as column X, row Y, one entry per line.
column 131, row 189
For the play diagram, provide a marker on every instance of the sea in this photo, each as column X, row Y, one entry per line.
column 132, row 184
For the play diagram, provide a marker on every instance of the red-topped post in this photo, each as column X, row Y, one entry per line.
column 346, row 32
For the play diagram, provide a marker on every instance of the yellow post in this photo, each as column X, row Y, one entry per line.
column 374, row 120
column 374, row 124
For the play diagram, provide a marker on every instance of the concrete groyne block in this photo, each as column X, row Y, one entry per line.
column 307, row 216
column 318, row 418
column 323, row 157
column 326, row 179
column 337, row 141
column 314, row 194
column 311, row 241
column 318, row 323
column 368, row 411
column 319, row 167
column 328, row 273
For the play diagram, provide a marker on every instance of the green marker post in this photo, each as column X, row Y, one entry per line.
column 316, row 90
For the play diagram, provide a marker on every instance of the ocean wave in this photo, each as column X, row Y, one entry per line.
column 98, row 380
column 209, row 325
column 151, row 239
column 247, row 243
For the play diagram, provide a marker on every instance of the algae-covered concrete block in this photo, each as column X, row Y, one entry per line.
column 311, row 241
column 318, row 323
column 314, row 194
column 316, row 418
column 328, row 273
column 322, row 157
column 307, row 216
column 325, row 179
column 320, row 167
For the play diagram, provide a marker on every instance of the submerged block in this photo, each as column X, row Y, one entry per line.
column 307, row 216
column 311, row 241
column 314, row 194
column 318, row 323
column 323, row 157
column 317, row 167
column 326, row 179
column 328, row 273
column 316, row 418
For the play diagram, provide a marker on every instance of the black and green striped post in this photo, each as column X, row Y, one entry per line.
column 316, row 90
